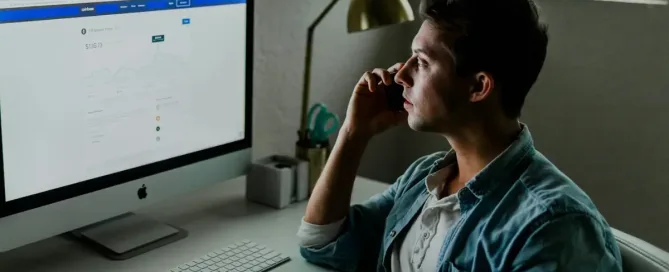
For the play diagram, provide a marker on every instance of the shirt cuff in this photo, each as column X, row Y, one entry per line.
column 312, row 236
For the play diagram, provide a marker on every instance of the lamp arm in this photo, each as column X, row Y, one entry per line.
column 303, row 133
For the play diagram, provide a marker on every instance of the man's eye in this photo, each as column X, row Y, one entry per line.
column 421, row 63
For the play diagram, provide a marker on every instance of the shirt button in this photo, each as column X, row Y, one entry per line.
column 392, row 233
column 425, row 235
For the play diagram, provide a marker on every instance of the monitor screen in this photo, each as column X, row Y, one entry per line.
column 92, row 88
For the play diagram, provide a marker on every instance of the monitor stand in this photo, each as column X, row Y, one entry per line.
column 128, row 235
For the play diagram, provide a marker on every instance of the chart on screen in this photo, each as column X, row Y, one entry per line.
column 133, row 79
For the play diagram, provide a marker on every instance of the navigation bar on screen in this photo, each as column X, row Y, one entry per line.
column 107, row 8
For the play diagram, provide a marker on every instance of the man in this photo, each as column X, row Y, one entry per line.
column 492, row 203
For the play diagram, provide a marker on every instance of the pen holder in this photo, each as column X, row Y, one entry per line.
column 316, row 157
column 277, row 181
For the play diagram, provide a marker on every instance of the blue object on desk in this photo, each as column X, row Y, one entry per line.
column 318, row 124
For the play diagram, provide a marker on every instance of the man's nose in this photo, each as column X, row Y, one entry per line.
column 403, row 76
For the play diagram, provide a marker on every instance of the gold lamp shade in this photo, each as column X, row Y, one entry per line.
column 369, row 14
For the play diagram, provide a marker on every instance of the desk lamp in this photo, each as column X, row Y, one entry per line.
column 362, row 15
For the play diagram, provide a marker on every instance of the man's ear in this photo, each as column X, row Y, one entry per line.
column 482, row 87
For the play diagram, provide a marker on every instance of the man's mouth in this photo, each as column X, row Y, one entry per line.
column 407, row 103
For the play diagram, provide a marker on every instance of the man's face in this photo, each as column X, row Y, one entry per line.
column 437, row 98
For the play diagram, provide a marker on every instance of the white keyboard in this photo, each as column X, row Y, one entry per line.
column 238, row 257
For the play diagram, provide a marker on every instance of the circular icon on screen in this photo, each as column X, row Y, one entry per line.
column 157, row 118
column 157, row 139
column 157, row 128
column 83, row 31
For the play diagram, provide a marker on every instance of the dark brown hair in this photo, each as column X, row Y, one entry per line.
column 502, row 37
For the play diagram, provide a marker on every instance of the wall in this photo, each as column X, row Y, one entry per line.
column 600, row 110
column 339, row 59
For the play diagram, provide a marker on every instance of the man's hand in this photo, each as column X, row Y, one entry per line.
column 367, row 113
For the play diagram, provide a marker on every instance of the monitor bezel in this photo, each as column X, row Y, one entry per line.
column 31, row 202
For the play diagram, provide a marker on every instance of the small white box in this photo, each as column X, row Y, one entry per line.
column 278, row 181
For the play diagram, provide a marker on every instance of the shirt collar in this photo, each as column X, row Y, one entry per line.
column 435, row 182
column 497, row 172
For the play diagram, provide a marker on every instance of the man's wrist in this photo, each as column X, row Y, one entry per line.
column 350, row 134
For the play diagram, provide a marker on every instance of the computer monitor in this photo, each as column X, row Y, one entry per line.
column 107, row 106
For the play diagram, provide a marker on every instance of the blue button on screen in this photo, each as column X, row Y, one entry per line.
column 185, row 21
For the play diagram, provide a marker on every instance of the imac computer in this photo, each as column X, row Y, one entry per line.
column 108, row 106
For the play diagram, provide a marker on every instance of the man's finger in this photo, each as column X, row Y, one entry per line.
column 363, row 79
column 396, row 68
column 371, row 81
column 384, row 75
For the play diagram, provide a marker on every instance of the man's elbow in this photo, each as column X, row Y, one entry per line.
column 327, row 256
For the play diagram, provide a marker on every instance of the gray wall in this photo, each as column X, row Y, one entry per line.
column 338, row 62
column 600, row 110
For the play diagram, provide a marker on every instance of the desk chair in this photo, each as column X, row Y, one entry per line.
column 639, row 255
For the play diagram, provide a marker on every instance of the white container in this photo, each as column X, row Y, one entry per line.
column 277, row 181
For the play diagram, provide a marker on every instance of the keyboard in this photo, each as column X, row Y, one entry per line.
column 238, row 257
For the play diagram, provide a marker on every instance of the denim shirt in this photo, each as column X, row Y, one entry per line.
column 520, row 213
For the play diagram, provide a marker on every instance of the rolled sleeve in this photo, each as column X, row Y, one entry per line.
column 315, row 236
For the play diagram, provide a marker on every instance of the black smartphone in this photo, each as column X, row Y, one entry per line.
column 394, row 95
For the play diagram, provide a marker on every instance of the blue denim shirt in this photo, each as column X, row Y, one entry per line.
column 520, row 213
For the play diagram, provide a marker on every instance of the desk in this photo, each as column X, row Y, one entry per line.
column 214, row 217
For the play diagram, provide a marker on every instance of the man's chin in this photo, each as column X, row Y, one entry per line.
column 418, row 125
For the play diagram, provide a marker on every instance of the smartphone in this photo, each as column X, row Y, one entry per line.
column 394, row 96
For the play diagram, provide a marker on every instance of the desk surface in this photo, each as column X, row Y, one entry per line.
column 214, row 217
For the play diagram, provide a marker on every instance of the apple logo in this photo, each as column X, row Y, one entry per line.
column 141, row 193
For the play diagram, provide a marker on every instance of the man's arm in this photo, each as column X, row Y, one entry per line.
column 334, row 233
column 358, row 239
column 572, row 242
column 331, row 197
column 367, row 115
